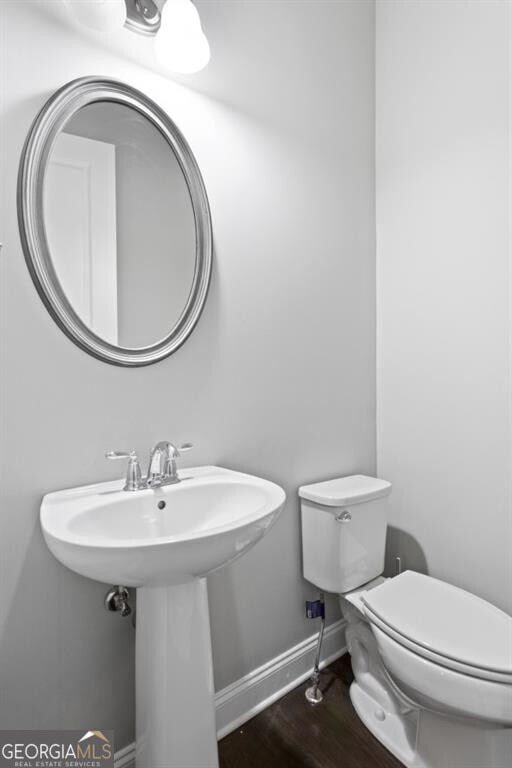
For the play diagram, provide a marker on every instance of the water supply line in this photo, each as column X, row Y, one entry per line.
column 315, row 609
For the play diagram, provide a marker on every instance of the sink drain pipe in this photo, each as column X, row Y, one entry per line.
column 315, row 609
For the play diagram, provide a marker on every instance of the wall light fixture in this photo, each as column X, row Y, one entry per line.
column 180, row 43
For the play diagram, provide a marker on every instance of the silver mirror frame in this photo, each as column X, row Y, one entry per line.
column 45, row 128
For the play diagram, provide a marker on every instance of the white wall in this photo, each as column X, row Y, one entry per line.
column 444, row 324
column 277, row 379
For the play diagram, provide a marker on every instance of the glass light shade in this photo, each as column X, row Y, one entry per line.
column 180, row 43
column 100, row 15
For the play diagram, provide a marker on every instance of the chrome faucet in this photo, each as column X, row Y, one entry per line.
column 162, row 468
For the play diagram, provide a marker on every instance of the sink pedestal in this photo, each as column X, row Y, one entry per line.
column 175, row 710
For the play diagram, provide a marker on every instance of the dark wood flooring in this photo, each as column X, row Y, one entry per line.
column 294, row 734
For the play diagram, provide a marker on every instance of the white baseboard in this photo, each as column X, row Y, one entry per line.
column 256, row 691
column 125, row 758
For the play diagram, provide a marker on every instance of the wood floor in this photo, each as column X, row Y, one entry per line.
column 293, row 734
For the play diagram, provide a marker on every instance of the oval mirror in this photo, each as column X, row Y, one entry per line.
column 115, row 222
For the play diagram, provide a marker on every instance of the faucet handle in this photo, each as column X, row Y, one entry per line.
column 120, row 454
column 174, row 451
column 133, row 473
column 169, row 471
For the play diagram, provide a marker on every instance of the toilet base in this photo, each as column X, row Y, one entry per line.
column 423, row 739
column 394, row 731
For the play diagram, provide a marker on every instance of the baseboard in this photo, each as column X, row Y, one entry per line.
column 125, row 758
column 256, row 691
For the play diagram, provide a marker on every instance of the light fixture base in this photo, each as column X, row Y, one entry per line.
column 143, row 17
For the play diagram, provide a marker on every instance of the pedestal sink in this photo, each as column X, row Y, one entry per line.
column 165, row 541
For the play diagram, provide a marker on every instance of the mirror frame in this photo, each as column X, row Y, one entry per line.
column 62, row 105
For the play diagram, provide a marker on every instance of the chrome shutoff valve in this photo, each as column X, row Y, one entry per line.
column 116, row 600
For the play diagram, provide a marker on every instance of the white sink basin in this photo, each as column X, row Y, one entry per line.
column 167, row 535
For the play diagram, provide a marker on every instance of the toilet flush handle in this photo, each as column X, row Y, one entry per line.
column 343, row 517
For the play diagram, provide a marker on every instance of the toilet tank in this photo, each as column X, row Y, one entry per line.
column 344, row 531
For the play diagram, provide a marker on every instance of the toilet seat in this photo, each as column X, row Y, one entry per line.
column 436, row 658
column 443, row 624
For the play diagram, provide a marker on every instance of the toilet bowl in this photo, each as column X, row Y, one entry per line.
column 432, row 663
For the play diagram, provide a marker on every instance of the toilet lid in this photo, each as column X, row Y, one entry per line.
column 444, row 620
column 345, row 491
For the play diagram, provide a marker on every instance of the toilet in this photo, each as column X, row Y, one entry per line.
column 432, row 663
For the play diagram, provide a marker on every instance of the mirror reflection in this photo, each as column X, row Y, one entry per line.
column 119, row 224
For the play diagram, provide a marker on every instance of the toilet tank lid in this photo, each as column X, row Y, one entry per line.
column 345, row 491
